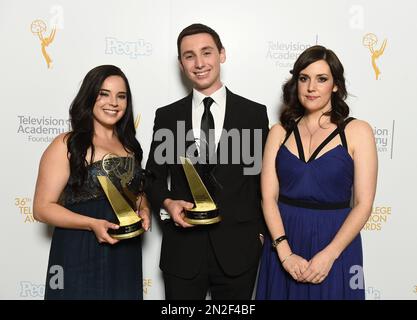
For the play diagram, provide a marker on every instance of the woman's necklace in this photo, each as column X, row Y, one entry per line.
column 311, row 134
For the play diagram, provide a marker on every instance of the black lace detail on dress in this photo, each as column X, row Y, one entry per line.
column 91, row 189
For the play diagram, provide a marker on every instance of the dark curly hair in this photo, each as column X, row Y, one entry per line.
column 293, row 109
column 80, row 138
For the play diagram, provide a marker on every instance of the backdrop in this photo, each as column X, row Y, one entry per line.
column 48, row 47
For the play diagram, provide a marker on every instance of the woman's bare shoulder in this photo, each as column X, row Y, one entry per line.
column 358, row 128
column 58, row 146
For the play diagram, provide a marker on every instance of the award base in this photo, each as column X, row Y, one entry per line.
column 197, row 217
column 127, row 232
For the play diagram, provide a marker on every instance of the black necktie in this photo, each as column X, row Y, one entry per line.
column 207, row 123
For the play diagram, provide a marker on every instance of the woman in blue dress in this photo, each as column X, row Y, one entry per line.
column 312, row 161
column 85, row 262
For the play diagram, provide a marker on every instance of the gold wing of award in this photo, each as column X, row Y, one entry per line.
column 129, row 221
column 205, row 210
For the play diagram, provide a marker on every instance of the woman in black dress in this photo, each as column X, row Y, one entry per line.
column 85, row 262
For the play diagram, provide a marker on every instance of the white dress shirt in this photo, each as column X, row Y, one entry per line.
column 218, row 110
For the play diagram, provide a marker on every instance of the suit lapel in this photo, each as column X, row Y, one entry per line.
column 229, row 115
column 188, row 108
column 229, row 120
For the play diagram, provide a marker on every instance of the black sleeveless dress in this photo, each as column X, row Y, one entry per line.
column 93, row 270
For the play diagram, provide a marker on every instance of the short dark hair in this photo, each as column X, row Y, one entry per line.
column 195, row 29
column 293, row 108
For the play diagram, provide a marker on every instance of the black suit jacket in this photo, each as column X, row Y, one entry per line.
column 236, row 238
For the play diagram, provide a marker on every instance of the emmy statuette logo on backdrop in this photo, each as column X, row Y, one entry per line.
column 370, row 40
column 38, row 27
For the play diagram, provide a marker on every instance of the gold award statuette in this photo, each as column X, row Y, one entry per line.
column 205, row 210
column 129, row 221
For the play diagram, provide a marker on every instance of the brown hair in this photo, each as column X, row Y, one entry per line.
column 195, row 29
column 293, row 108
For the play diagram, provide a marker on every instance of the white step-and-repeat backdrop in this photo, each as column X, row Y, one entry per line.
column 48, row 46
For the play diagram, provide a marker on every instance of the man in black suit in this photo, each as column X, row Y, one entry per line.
column 223, row 257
